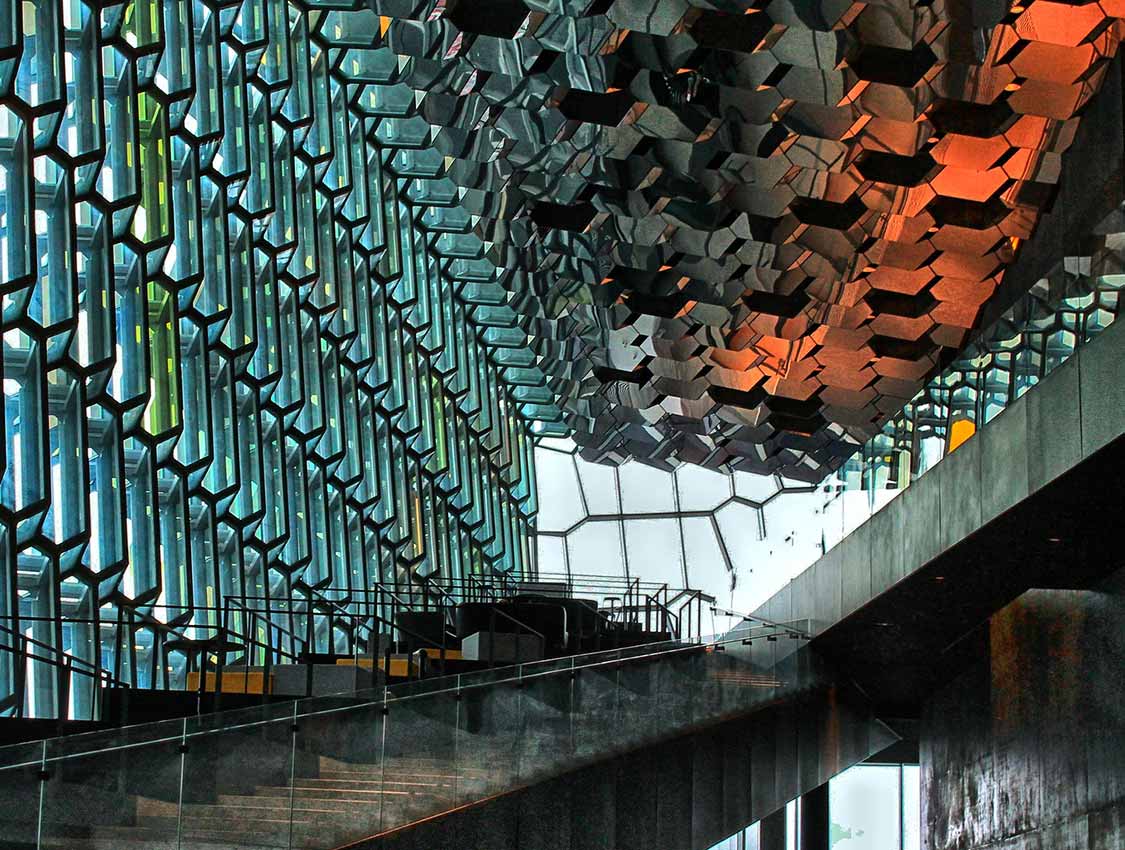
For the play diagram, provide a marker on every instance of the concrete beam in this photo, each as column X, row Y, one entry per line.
column 1077, row 411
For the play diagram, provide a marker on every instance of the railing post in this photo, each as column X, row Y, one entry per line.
column 292, row 771
column 378, row 600
column 310, row 636
column 220, row 660
column 458, row 704
column 202, row 679
column 44, row 776
column 355, row 654
column 573, row 681
column 267, row 667
column 394, row 617
column 21, row 675
column 383, row 760
column 250, row 651
column 66, row 676
column 180, row 793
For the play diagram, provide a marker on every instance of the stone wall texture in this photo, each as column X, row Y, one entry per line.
column 1026, row 750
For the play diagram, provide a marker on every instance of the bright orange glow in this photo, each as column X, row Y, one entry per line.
column 959, row 432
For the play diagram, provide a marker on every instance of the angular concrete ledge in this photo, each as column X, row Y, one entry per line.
column 1076, row 411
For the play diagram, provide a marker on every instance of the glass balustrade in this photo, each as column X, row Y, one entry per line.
column 325, row 771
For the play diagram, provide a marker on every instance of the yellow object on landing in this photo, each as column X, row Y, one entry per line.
column 234, row 683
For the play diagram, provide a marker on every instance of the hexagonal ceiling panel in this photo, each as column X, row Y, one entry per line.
column 741, row 233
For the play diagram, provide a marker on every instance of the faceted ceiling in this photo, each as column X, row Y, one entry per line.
column 741, row 234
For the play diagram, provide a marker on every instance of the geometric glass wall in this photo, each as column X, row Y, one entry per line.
column 729, row 535
column 249, row 343
column 253, row 342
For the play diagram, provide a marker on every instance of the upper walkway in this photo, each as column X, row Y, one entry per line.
column 1033, row 499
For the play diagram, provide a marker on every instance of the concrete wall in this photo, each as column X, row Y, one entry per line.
column 1026, row 749
column 1077, row 410
column 685, row 794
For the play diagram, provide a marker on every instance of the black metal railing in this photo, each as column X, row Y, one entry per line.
column 255, row 631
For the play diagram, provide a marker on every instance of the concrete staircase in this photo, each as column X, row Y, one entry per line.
column 333, row 772
column 324, row 811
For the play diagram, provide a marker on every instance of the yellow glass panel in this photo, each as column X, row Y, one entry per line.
column 960, row 431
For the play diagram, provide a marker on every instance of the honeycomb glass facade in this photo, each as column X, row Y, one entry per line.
column 287, row 288
column 248, row 344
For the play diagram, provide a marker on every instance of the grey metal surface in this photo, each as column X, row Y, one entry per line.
column 292, row 679
column 505, row 648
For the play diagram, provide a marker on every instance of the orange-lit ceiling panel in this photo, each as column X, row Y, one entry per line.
column 740, row 234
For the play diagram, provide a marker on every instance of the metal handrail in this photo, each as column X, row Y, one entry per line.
column 348, row 615
column 445, row 684
column 239, row 617
column 786, row 627
column 493, row 611
column 40, row 644
column 63, row 661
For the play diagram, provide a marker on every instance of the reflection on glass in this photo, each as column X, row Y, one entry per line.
column 722, row 534
column 873, row 807
column 792, row 825
column 911, row 807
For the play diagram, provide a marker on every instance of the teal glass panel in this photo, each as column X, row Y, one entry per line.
column 237, row 358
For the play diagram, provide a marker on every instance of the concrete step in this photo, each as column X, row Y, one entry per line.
column 391, row 775
column 278, row 803
column 326, row 811
column 142, row 839
column 332, row 792
column 264, row 810
column 468, row 760
column 156, row 833
column 238, row 827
